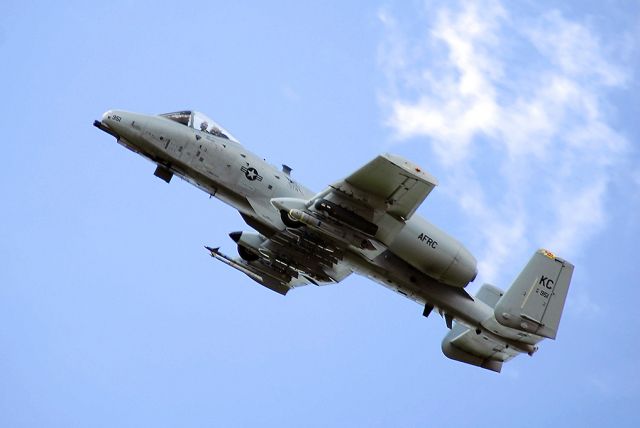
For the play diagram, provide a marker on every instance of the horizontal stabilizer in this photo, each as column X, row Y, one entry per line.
column 489, row 295
column 465, row 345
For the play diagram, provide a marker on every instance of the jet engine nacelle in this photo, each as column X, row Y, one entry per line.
column 435, row 253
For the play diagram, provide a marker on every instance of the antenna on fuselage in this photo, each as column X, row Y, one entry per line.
column 286, row 169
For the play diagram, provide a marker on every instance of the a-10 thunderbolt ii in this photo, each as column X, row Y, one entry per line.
column 365, row 223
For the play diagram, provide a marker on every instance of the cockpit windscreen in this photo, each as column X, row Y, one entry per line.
column 199, row 121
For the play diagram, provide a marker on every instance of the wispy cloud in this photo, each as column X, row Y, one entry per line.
column 514, row 109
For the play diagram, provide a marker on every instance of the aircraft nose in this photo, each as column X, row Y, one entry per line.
column 107, row 116
column 121, row 121
column 125, row 124
column 114, row 117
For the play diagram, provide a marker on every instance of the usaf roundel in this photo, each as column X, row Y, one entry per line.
column 251, row 173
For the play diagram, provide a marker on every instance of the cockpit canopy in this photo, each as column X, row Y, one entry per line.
column 197, row 120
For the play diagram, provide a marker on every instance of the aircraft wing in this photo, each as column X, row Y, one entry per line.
column 365, row 209
column 288, row 259
column 346, row 213
column 388, row 183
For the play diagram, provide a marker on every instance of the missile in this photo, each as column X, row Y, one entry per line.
column 254, row 272
column 271, row 281
column 342, row 234
column 215, row 253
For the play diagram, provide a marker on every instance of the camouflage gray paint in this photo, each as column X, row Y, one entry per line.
column 364, row 223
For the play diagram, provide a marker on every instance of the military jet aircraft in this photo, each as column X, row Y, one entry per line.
column 364, row 223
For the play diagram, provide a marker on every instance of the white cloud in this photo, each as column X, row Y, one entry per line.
column 574, row 49
column 513, row 108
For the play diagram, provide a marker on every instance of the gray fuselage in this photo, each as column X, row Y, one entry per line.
column 420, row 259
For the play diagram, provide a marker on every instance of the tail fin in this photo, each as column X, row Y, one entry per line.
column 535, row 300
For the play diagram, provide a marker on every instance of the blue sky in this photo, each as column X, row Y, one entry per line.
column 113, row 314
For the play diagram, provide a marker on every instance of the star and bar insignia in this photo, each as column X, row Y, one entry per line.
column 251, row 173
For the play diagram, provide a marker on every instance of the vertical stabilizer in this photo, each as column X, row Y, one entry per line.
column 535, row 300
